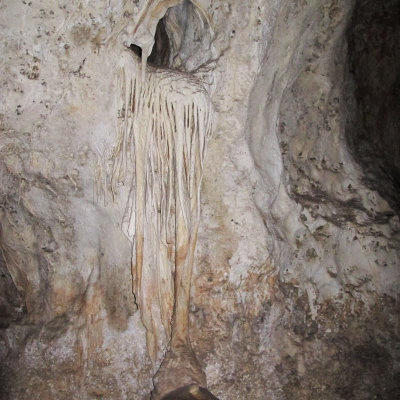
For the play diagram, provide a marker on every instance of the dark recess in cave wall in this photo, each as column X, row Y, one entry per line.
column 159, row 56
column 374, row 55
column 182, row 41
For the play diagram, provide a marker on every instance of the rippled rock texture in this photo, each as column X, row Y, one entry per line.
column 296, row 274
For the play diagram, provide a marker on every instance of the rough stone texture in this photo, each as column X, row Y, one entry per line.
column 64, row 258
column 296, row 282
column 374, row 51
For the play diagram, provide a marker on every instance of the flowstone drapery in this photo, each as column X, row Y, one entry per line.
column 164, row 123
column 165, row 120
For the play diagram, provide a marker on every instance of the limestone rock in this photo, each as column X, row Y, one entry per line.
column 296, row 274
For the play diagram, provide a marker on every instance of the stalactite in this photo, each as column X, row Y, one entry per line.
column 166, row 120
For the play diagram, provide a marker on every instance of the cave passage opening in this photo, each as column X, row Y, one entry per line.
column 374, row 59
column 183, row 39
column 161, row 51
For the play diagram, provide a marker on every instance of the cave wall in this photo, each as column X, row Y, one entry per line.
column 374, row 52
column 296, row 277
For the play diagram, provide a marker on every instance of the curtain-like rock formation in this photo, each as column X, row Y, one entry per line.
column 296, row 272
column 165, row 123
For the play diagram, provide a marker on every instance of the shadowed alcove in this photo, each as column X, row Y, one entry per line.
column 183, row 39
column 374, row 54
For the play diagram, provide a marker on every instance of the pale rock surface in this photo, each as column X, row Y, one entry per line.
column 296, row 275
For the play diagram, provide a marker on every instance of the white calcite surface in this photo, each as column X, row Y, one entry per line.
column 296, row 272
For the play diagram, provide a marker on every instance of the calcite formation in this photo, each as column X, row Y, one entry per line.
column 166, row 121
column 165, row 124
column 295, row 282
